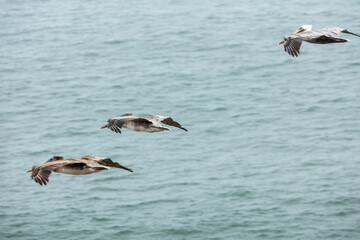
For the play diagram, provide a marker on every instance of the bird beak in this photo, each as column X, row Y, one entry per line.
column 103, row 126
column 28, row 170
column 281, row 42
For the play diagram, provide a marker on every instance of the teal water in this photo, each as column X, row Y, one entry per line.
column 272, row 150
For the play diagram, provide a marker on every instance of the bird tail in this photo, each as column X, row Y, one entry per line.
column 346, row 31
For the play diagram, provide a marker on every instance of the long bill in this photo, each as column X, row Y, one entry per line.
column 29, row 170
column 105, row 126
column 281, row 42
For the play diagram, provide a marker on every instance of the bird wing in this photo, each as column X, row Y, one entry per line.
column 109, row 163
column 346, row 31
column 322, row 36
column 115, row 128
column 292, row 46
column 41, row 175
column 166, row 120
column 331, row 29
column 115, row 124
column 103, row 161
column 141, row 120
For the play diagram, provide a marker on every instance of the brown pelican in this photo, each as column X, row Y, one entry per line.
column 150, row 123
column 79, row 166
column 330, row 34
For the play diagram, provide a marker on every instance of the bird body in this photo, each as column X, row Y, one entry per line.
column 150, row 123
column 80, row 168
column 144, row 126
column 292, row 42
column 74, row 166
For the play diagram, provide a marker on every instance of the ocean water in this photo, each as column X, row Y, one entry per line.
column 272, row 150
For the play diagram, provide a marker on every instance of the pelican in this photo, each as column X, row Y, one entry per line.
column 79, row 166
column 150, row 123
column 330, row 34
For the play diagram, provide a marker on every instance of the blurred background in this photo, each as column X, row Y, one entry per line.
column 272, row 150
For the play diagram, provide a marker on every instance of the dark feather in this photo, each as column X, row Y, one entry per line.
column 169, row 121
column 41, row 176
column 292, row 46
column 127, row 115
column 55, row 158
column 346, row 31
column 324, row 39
column 76, row 166
column 141, row 121
column 114, row 128
column 109, row 163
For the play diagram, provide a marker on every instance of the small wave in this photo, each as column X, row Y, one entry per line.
column 123, row 232
column 117, row 86
column 181, row 231
column 101, row 219
column 240, row 194
column 354, row 64
column 151, row 202
column 220, row 109
column 114, row 42
column 312, row 109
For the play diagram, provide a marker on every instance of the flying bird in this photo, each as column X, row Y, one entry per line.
column 150, row 123
column 75, row 166
column 330, row 34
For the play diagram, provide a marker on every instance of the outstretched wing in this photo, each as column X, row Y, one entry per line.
column 142, row 121
column 331, row 29
column 292, row 46
column 171, row 122
column 115, row 124
column 41, row 175
column 109, row 163
column 346, row 31
column 165, row 120
column 337, row 30
column 114, row 127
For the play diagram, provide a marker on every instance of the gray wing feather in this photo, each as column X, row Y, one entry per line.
column 41, row 175
column 116, row 124
column 331, row 29
column 109, row 163
column 292, row 46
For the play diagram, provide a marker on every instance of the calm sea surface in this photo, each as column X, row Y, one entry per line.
column 273, row 148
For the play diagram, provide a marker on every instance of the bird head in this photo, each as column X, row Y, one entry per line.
column 303, row 28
